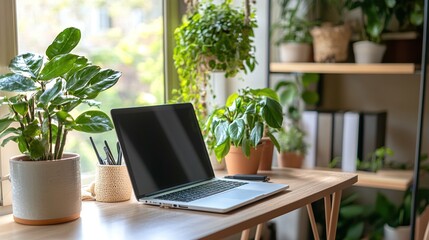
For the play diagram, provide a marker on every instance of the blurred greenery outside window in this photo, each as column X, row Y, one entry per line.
column 124, row 35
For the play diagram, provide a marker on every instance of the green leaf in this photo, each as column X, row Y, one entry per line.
column 236, row 130
column 390, row 3
column 105, row 79
column 57, row 66
column 31, row 130
column 310, row 97
column 5, row 123
column 8, row 139
column 272, row 113
column 231, row 99
column 352, row 211
column 9, row 131
column 49, row 94
column 81, row 78
column 245, row 147
column 309, row 78
column 93, row 122
column 65, row 41
column 221, row 133
column 222, row 150
column 27, row 64
column 21, row 108
column 37, row 149
column 256, row 134
column 65, row 118
column 265, row 92
column 13, row 82
column 355, row 231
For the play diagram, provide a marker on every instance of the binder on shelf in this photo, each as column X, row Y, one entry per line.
column 373, row 133
column 324, row 138
column 337, row 135
column 309, row 125
column 350, row 141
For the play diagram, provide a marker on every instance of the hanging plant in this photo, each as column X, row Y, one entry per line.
column 214, row 37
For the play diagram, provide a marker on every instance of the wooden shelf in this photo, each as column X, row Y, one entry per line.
column 344, row 68
column 384, row 179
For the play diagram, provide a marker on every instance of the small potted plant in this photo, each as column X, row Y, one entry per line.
column 375, row 16
column 295, row 38
column 213, row 38
column 238, row 128
column 331, row 39
column 294, row 95
column 45, row 180
column 292, row 147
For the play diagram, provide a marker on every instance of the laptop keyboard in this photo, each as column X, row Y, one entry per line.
column 201, row 191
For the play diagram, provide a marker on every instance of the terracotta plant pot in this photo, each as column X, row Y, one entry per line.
column 330, row 43
column 45, row 192
column 290, row 159
column 267, row 154
column 238, row 163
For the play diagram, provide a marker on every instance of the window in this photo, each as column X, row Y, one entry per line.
column 123, row 35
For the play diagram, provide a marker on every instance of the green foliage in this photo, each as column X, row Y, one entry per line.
column 214, row 37
column 376, row 160
column 291, row 27
column 294, row 93
column 376, row 16
column 242, row 120
column 292, row 140
column 396, row 216
column 409, row 13
column 47, row 91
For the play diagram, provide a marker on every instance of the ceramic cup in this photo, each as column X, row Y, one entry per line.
column 112, row 183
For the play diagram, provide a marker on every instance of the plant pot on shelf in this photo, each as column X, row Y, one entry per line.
column 45, row 192
column 398, row 233
column 368, row 52
column 238, row 163
column 290, row 159
column 267, row 154
column 330, row 43
column 295, row 52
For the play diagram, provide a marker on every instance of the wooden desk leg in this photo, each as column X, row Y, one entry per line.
column 334, row 215
column 245, row 234
column 327, row 212
column 259, row 231
column 312, row 221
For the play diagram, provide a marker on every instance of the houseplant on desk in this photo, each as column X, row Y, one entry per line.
column 45, row 180
column 238, row 128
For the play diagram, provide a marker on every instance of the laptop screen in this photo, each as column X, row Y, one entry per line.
column 163, row 146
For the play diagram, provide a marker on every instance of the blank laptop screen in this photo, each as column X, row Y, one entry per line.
column 163, row 146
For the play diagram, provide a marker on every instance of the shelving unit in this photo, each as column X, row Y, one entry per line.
column 344, row 68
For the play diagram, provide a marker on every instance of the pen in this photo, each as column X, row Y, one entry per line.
column 119, row 160
column 249, row 177
column 109, row 152
column 109, row 156
column 100, row 160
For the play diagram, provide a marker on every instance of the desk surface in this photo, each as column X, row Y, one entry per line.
column 132, row 219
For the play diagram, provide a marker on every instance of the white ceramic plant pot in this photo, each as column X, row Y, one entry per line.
column 45, row 192
column 368, row 52
column 295, row 52
column 399, row 233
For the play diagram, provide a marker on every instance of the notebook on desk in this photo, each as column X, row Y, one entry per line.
column 169, row 165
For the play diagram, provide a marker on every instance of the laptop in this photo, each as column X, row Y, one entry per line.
column 169, row 165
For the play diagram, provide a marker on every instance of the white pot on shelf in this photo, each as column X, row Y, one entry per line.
column 368, row 52
column 295, row 52
column 398, row 233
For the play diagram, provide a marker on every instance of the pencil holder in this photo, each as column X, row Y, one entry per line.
column 112, row 183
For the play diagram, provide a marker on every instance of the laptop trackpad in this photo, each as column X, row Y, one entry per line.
column 241, row 194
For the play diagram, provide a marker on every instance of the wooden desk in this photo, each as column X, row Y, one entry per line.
column 130, row 219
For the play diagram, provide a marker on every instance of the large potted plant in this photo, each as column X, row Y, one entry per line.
column 212, row 38
column 375, row 17
column 45, row 180
column 238, row 128
column 295, row 38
